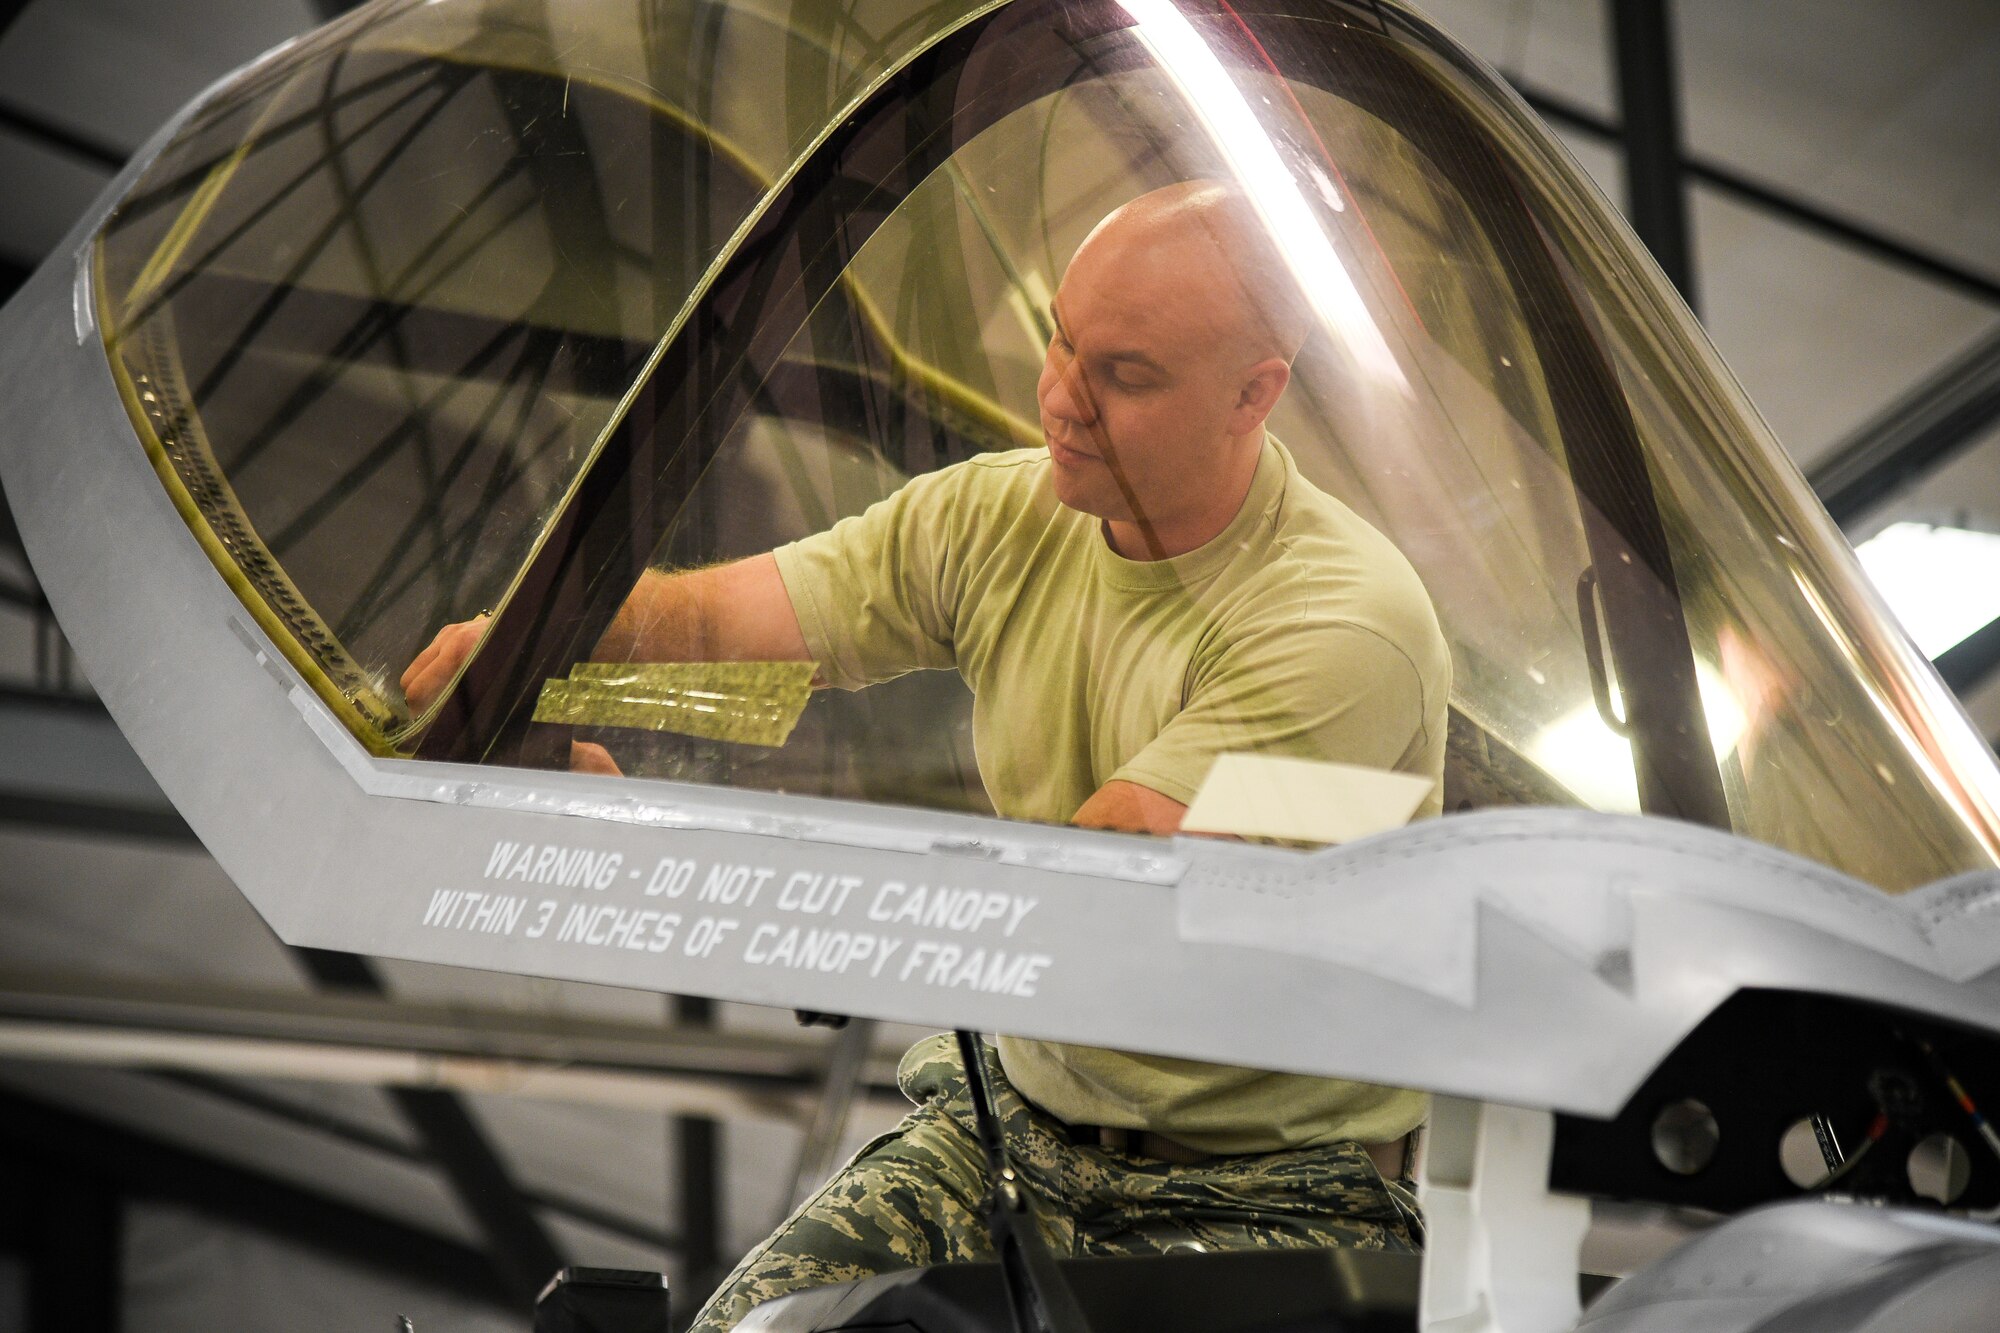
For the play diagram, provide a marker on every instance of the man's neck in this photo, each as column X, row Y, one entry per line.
column 1161, row 538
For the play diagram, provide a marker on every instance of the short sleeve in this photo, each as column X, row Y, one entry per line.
column 870, row 591
column 1335, row 692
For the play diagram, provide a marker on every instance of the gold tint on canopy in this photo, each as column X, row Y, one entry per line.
column 380, row 305
column 748, row 703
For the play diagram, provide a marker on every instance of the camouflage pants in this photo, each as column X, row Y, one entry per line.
column 912, row 1197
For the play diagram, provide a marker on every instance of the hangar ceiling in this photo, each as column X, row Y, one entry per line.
column 1842, row 184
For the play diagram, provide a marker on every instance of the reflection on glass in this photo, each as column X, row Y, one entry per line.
column 482, row 306
column 1591, row 755
column 1272, row 189
column 377, row 303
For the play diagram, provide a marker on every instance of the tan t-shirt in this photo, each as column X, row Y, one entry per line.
column 1298, row 630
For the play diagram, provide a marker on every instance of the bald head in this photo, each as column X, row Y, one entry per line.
column 1203, row 246
column 1175, row 328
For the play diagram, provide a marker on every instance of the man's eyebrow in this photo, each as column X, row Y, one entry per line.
column 1139, row 359
column 1134, row 358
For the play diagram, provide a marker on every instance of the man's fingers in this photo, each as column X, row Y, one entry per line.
column 585, row 757
column 415, row 670
column 434, row 667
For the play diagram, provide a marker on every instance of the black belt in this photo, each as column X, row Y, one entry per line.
column 1391, row 1159
column 1136, row 1143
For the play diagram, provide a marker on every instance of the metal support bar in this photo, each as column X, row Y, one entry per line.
column 63, row 764
column 698, row 1162
column 768, row 1075
column 71, row 143
column 9, row 11
column 64, row 1220
column 143, row 1166
column 523, row 1250
column 305, row 1115
column 1726, row 180
column 96, row 817
column 1966, row 664
column 21, row 596
column 13, row 272
column 339, row 1062
column 818, row 1154
column 523, row 1253
column 1929, row 425
column 1649, row 95
column 1501, row 1253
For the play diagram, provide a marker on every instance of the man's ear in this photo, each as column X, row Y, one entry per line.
column 1258, row 392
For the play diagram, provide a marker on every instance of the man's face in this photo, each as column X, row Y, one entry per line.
column 1140, row 379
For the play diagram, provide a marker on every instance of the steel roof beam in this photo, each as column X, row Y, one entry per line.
column 1726, row 180
column 1926, row 427
column 96, row 818
column 1642, row 42
column 10, row 531
column 697, row 1160
column 112, row 1046
column 523, row 1252
column 765, row 1074
column 13, row 272
column 64, row 765
column 144, row 1166
column 9, row 11
column 66, row 1224
column 820, row 1153
column 1967, row 664
column 83, row 147
column 342, row 1130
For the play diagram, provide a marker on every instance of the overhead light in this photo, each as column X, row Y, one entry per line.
column 1942, row 583
column 1272, row 189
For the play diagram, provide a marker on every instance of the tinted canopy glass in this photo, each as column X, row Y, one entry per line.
column 575, row 317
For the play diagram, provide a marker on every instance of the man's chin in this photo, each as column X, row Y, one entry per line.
column 1092, row 495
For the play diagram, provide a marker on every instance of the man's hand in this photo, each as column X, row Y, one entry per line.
column 738, row 612
column 1127, row 807
column 435, row 666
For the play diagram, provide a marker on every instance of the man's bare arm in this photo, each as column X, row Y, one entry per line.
column 738, row 612
column 1127, row 807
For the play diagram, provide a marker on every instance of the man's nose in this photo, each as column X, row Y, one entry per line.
column 1066, row 397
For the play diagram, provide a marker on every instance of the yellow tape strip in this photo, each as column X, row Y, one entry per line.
column 749, row 703
column 744, row 678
